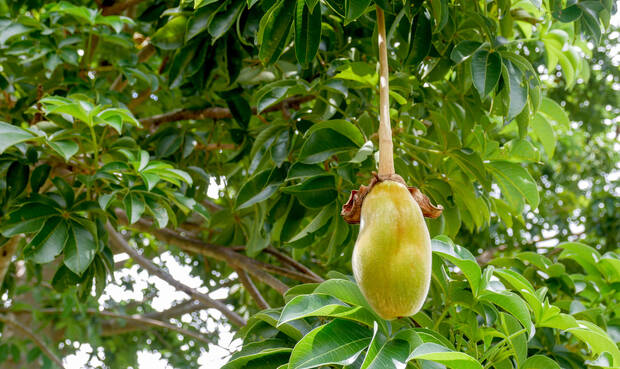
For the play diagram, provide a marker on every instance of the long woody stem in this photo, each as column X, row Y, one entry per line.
column 386, row 156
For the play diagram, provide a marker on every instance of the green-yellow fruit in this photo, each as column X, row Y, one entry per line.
column 392, row 256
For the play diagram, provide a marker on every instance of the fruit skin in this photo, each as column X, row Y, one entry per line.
column 392, row 258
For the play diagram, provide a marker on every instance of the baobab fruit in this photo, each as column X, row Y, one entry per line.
column 392, row 257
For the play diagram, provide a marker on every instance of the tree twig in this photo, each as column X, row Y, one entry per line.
column 34, row 338
column 216, row 112
column 120, row 242
column 251, row 288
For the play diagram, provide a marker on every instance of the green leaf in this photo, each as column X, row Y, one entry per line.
column 440, row 13
column 65, row 148
column 11, row 135
column 354, row 9
column 171, row 35
column 338, row 342
column 259, row 188
column 317, row 223
column 274, row 30
column 545, row 134
column 330, row 138
column 65, row 190
column 314, row 192
column 516, row 183
column 80, row 248
column 308, row 305
column 150, row 179
column 26, row 219
column 419, row 36
column 553, row 111
column 486, row 69
column 64, row 278
column 39, row 176
column 307, row 32
column 464, row 50
column 134, row 207
column 589, row 20
column 239, row 107
column 224, row 17
column 344, row 290
column 343, row 127
column 377, row 341
column 583, row 254
column 443, row 355
column 516, row 87
column 257, row 350
column 17, row 178
column 598, row 340
column 198, row 23
column 48, row 242
column 273, row 93
column 517, row 342
column 461, row 257
column 510, row 302
column 539, row 361
column 469, row 161
column 392, row 355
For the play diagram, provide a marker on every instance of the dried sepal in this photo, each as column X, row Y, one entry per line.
column 352, row 210
column 428, row 210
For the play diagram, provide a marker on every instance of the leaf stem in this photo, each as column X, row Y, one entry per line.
column 386, row 148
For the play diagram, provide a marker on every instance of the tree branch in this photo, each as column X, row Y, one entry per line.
column 216, row 112
column 153, row 322
column 120, row 242
column 234, row 259
column 294, row 263
column 251, row 288
column 34, row 338
column 6, row 254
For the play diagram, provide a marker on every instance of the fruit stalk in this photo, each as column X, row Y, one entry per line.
column 386, row 158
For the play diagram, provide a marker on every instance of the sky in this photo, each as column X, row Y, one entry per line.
column 216, row 355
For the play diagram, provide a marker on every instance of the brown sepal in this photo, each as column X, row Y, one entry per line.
column 352, row 210
column 428, row 210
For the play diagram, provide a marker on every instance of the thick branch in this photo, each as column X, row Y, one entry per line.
column 6, row 254
column 216, row 112
column 34, row 338
column 120, row 242
column 252, row 290
column 256, row 268
column 234, row 259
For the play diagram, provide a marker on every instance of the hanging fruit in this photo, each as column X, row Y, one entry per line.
column 392, row 257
